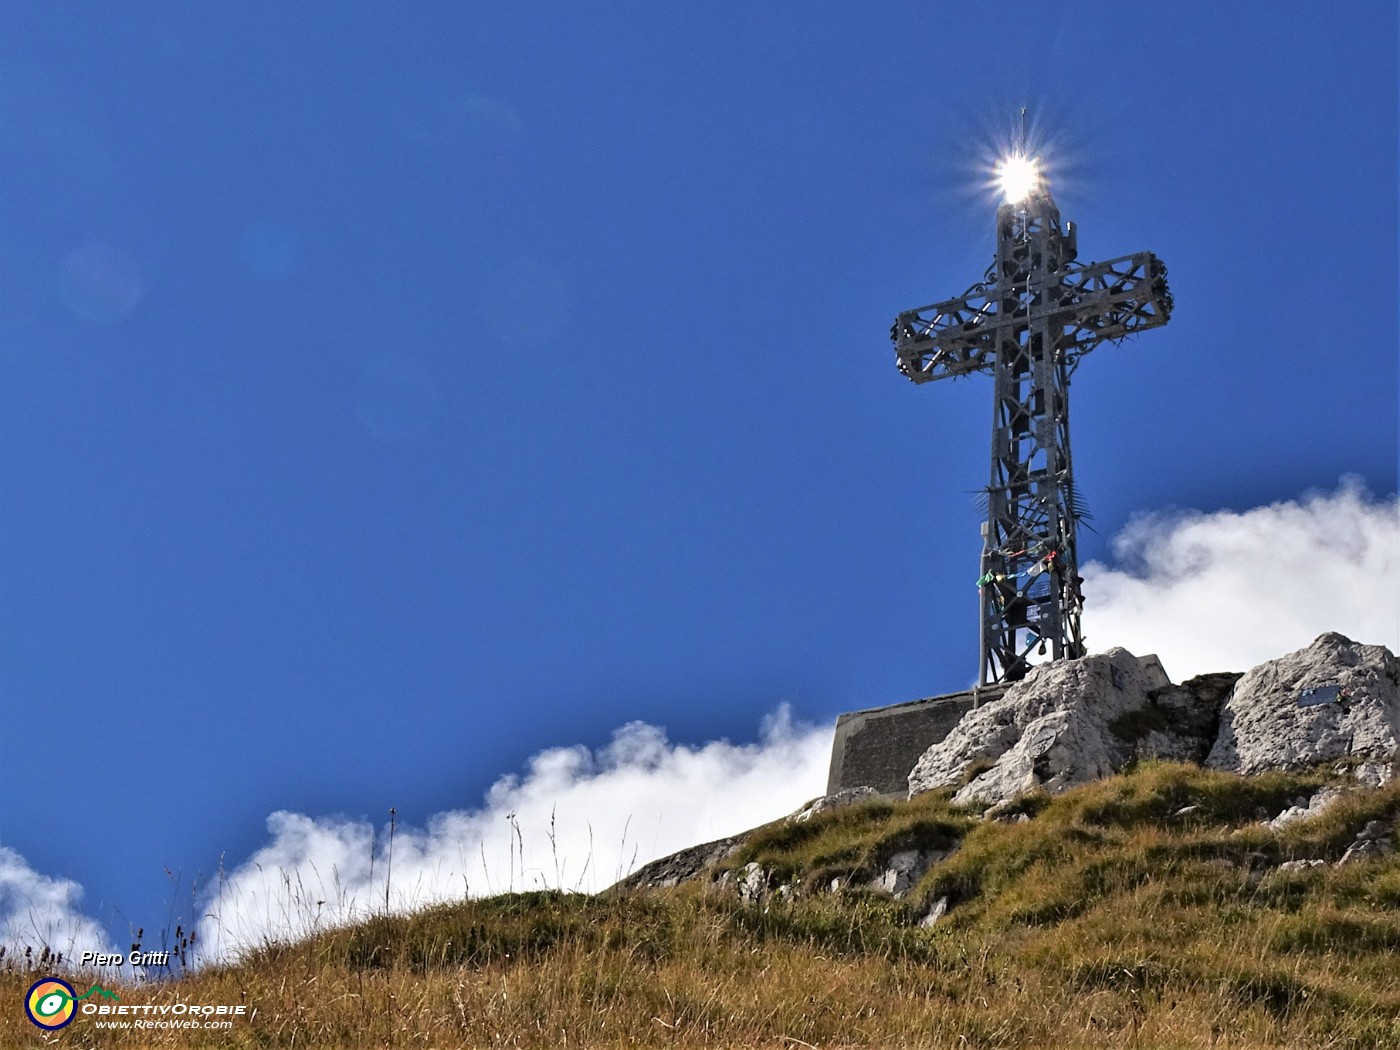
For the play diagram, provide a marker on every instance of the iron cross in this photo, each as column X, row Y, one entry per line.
column 1029, row 322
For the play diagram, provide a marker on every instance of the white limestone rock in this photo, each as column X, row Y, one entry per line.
column 1306, row 809
column 826, row 803
column 1263, row 727
column 752, row 883
column 1301, row 865
column 904, row 870
column 936, row 911
column 1372, row 843
column 1374, row 774
column 1062, row 725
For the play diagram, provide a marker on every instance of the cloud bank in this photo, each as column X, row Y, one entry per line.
column 1225, row 591
column 576, row 820
column 38, row 911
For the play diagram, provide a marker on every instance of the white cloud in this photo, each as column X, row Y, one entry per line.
column 38, row 911
column 639, row 798
column 1225, row 591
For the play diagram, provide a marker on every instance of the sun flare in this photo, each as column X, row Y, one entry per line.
column 1017, row 176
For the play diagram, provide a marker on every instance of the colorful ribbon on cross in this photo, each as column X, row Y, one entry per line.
column 1034, row 571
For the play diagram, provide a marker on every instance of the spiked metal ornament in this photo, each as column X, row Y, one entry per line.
column 1029, row 322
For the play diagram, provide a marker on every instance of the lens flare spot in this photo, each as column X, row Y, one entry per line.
column 1017, row 176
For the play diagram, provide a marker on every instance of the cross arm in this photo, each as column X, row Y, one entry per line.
column 1107, row 300
column 953, row 338
column 1110, row 300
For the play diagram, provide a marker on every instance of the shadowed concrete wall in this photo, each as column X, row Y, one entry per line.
column 878, row 748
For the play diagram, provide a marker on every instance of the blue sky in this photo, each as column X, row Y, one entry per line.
column 391, row 392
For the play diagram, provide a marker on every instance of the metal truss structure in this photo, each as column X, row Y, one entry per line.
column 1029, row 323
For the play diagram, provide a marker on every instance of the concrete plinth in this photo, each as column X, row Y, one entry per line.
column 878, row 748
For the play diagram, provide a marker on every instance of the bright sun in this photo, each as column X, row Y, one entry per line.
column 1017, row 175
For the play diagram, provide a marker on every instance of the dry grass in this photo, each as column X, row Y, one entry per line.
column 1103, row 921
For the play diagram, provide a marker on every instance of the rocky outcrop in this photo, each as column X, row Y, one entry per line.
column 1334, row 699
column 1066, row 723
column 826, row 803
column 1074, row 721
column 1371, row 773
column 903, row 871
column 752, row 882
column 1307, row 808
column 682, row 866
column 898, row 877
column 1192, row 713
column 936, row 911
column 1372, row 843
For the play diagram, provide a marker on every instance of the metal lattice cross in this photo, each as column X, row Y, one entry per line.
column 1029, row 322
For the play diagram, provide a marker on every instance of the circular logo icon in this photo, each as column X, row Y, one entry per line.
column 49, row 1003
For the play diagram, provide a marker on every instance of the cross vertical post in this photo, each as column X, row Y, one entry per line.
column 1029, row 323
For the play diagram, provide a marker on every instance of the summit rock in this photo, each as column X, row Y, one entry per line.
column 1334, row 699
column 1072, row 721
column 1065, row 723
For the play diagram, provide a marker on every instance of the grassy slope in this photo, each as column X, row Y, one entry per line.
column 1103, row 920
